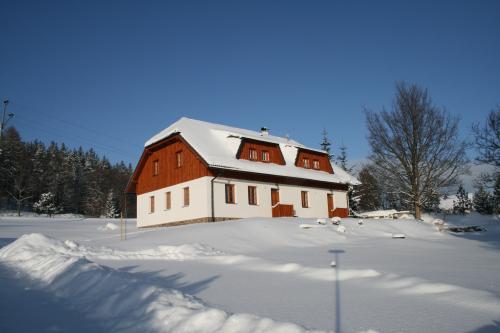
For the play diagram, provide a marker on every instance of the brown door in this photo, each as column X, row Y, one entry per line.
column 275, row 199
column 329, row 198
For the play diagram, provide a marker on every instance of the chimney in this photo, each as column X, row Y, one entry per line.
column 264, row 131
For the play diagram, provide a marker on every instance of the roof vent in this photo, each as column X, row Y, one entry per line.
column 264, row 131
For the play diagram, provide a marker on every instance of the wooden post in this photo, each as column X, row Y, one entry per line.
column 121, row 226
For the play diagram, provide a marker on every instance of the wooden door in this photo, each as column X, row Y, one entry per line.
column 275, row 196
column 275, row 199
column 329, row 198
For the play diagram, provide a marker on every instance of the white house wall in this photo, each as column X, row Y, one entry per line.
column 289, row 194
column 200, row 201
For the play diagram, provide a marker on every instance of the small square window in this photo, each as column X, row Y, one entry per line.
column 316, row 164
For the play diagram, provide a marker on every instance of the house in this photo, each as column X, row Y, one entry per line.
column 195, row 171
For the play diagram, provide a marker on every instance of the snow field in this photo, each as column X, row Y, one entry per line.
column 118, row 298
column 430, row 281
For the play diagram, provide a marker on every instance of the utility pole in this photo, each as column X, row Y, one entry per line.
column 4, row 122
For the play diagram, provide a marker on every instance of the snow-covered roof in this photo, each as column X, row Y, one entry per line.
column 218, row 146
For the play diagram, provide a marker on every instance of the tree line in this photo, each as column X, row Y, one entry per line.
column 56, row 179
column 417, row 156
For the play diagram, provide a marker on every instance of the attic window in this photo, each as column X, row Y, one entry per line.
column 179, row 160
column 265, row 156
column 316, row 164
column 252, row 154
column 156, row 168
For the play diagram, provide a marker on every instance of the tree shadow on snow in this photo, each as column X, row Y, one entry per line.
column 6, row 241
column 23, row 309
column 172, row 281
column 494, row 327
column 490, row 238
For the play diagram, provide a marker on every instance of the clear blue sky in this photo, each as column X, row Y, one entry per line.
column 110, row 74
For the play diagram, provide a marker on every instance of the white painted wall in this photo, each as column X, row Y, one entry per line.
column 200, row 201
column 289, row 194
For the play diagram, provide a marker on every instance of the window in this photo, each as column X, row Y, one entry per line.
column 168, row 200
column 252, row 154
column 152, row 204
column 305, row 199
column 179, row 160
column 265, row 156
column 156, row 168
column 186, row 196
column 252, row 195
column 305, row 163
column 230, row 193
column 316, row 164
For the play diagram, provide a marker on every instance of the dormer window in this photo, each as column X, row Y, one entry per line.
column 305, row 163
column 265, row 156
column 252, row 154
column 316, row 164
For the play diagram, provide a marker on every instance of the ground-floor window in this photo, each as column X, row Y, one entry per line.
column 152, row 204
column 230, row 194
column 186, row 196
column 305, row 200
column 168, row 200
column 252, row 195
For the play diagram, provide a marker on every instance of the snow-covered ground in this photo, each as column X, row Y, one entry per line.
column 252, row 275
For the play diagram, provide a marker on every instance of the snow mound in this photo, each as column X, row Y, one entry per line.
column 108, row 226
column 118, row 299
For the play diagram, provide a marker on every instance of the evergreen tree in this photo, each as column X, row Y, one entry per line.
column 496, row 195
column 483, row 203
column 369, row 190
column 325, row 144
column 110, row 208
column 342, row 159
column 46, row 205
column 463, row 204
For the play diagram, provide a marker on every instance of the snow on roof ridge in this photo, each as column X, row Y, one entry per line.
column 218, row 145
column 247, row 133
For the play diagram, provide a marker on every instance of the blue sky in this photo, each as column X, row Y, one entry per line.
column 110, row 74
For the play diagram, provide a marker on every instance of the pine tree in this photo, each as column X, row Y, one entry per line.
column 325, row 144
column 463, row 204
column 342, row 159
column 110, row 209
column 46, row 205
column 483, row 203
column 496, row 195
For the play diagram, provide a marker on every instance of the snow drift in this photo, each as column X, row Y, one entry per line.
column 118, row 299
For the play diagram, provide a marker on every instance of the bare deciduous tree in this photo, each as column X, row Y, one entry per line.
column 487, row 139
column 415, row 146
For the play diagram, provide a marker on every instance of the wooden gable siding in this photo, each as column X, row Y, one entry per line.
column 165, row 152
column 324, row 162
column 275, row 155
